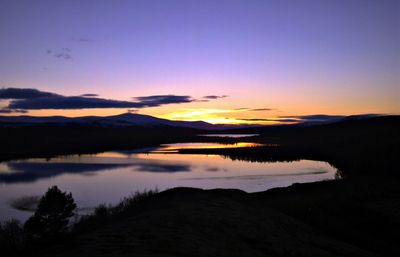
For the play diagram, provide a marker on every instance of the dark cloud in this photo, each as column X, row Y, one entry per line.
column 260, row 109
column 7, row 110
column 212, row 97
column 23, row 93
column 315, row 117
column 287, row 120
column 254, row 109
column 71, row 102
column 89, row 95
column 275, row 120
column 33, row 99
column 319, row 118
column 156, row 100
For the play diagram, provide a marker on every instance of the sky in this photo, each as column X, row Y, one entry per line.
column 219, row 61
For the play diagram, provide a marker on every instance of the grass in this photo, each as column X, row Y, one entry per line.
column 105, row 213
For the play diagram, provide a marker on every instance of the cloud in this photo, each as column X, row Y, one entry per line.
column 7, row 110
column 254, row 109
column 23, row 93
column 156, row 100
column 33, row 99
column 89, row 95
column 64, row 53
column 212, row 97
column 260, row 109
column 68, row 102
column 274, row 120
column 316, row 118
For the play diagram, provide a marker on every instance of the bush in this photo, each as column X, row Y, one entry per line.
column 12, row 238
column 130, row 201
column 104, row 213
column 52, row 215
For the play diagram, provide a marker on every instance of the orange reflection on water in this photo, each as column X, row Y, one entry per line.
column 174, row 148
column 112, row 155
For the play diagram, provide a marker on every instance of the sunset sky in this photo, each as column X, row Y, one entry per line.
column 220, row 61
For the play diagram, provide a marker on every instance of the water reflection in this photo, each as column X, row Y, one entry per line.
column 30, row 171
column 229, row 135
column 174, row 148
column 107, row 177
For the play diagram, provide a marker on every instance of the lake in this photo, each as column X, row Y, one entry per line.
column 229, row 135
column 109, row 176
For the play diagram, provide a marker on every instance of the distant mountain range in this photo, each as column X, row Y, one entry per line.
column 131, row 119
column 126, row 119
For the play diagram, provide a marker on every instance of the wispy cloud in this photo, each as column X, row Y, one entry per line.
column 89, row 95
column 260, row 109
column 212, row 97
column 272, row 120
column 254, row 109
column 319, row 118
column 63, row 53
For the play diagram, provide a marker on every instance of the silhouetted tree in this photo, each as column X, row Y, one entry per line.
column 52, row 215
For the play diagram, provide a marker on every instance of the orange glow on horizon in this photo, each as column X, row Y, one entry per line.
column 221, row 116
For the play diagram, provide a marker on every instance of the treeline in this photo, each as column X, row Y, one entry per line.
column 356, row 147
column 47, row 141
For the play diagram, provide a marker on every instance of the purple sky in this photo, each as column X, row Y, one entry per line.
column 296, row 57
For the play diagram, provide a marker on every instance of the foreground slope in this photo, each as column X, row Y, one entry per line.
column 194, row 222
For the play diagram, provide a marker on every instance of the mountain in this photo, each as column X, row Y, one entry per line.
column 132, row 119
column 126, row 119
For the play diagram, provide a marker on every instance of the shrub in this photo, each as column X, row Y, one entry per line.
column 12, row 238
column 103, row 213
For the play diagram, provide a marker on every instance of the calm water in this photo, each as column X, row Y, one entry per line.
column 107, row 177
column 229, row 135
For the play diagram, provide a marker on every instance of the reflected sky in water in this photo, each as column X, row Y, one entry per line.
column 229, row 135
column 109, row 176
column 173, row 148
